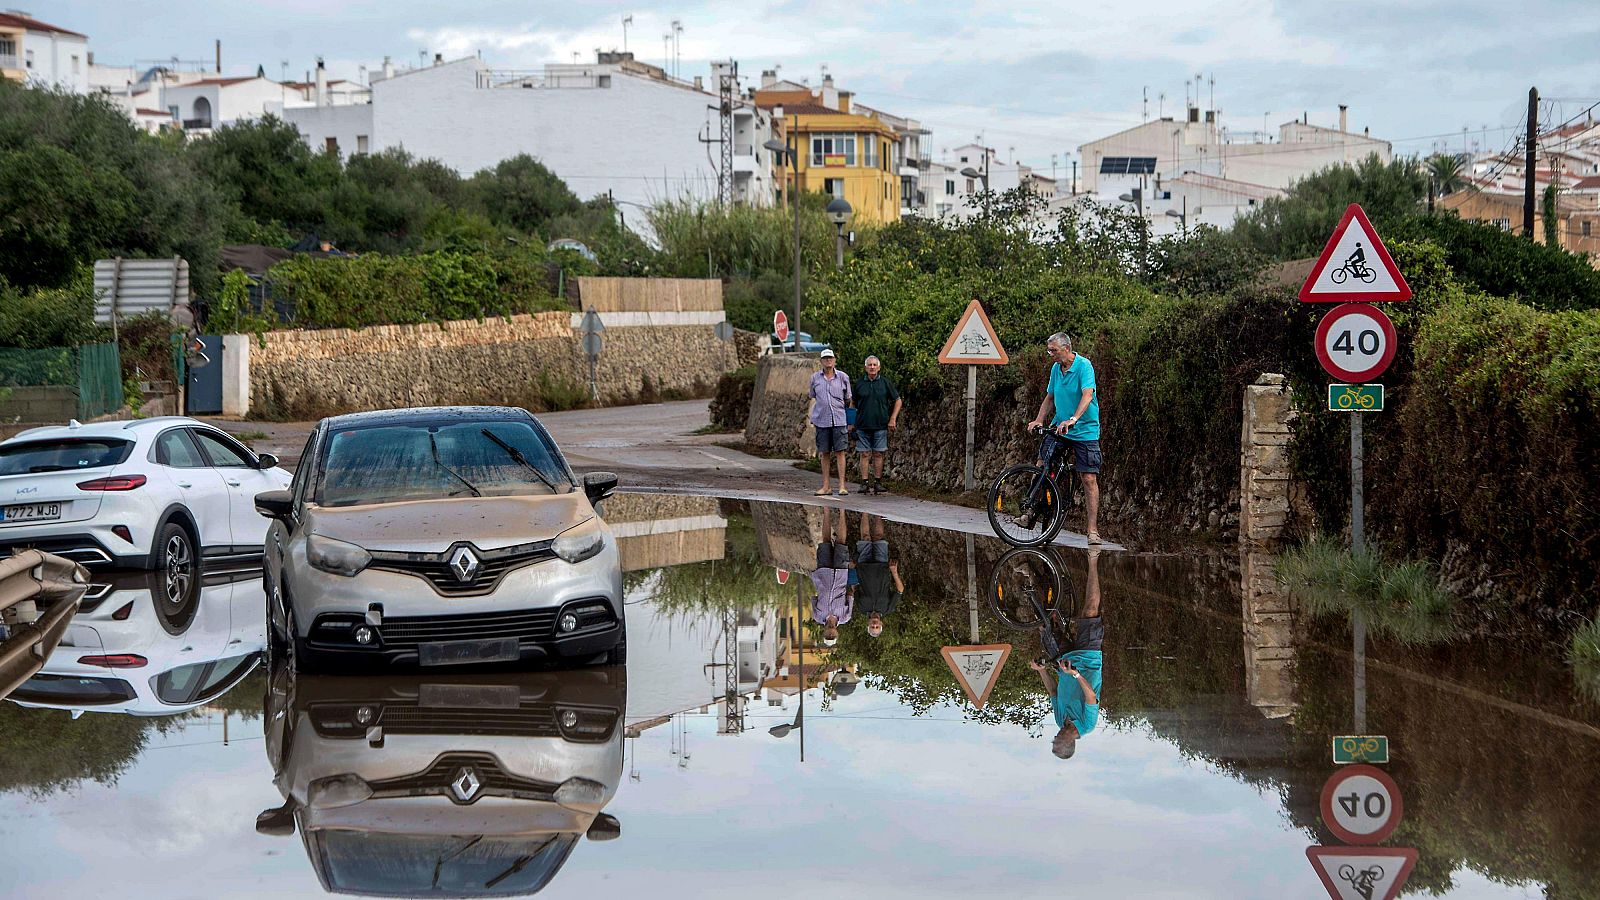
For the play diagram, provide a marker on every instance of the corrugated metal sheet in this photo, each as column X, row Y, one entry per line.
column 130, row 287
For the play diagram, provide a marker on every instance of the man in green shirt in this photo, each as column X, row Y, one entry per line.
column 877, row 409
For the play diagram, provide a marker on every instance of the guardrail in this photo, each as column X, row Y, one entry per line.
column 39, row 593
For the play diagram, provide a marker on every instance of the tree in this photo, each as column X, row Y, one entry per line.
column 522, row 193
column 1298, row 224
column 1552, row 216
column 1445, row 171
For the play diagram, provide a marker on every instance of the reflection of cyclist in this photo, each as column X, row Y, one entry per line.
column 1357, row 262
column 1072, row 402
column 831, row 606
column 878, row 585
column 1075, row 691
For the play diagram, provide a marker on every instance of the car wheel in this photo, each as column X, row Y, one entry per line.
column 178, row 592
column 616, row 656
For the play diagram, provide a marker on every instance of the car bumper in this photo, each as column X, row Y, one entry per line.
column 82, row 542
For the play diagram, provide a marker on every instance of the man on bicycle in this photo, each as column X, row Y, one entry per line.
column 1075, row 690
column 1357, row 261
column 1073, row 408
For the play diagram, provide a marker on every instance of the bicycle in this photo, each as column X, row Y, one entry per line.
column 1348, row 270
column 1027, row 504
column 1027, row 590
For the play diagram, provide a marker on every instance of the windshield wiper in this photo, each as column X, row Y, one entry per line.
column 516, row 454
column 520, row 864
column 444, row 857
column 435, row 445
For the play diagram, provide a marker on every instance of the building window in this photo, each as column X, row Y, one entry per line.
column 833, row 150
column 361, row 143
column 27, row 60
column 331, row 145
column 1584, row 227
column 1502, row 224
column 949, row 186
column 969, row 185
column 963, row 159
column 74, row 64
column 833, row 187
column 173, row 112
column 870, row 145
column 8, row 47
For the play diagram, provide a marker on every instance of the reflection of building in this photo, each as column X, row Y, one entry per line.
column 844, row 152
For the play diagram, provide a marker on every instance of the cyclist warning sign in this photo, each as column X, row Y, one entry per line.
column 1354, row 266
column 974, row 341
column 1362, row 873
column 977, row 668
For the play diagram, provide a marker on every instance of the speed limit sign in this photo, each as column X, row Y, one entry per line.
column 1361, row 804
column 1355, row 342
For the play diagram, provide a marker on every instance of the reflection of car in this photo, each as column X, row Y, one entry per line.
column 135, row 651
column 38, row 595
column 149, row 493
column 441, row 536
column 444, row 784
column 807, row 345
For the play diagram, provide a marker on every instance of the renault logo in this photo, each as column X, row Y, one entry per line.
column 464, row 564
column 466, row 784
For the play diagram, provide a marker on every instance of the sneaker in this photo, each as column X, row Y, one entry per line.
column 878, row 488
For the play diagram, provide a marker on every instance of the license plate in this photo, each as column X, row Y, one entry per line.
column 469, row 696
column 30, row 512
column 455, row 653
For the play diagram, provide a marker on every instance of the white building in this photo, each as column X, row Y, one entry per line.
column 952, row 192
column 210, row 103
column 617, row 125
column 42, row 54
column 1152, row 162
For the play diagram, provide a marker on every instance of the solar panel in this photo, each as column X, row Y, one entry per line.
column 1128, row 165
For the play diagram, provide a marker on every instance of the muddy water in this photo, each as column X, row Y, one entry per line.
column 684, row 774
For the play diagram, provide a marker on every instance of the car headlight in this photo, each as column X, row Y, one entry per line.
column 579, row 543
column 338, row 557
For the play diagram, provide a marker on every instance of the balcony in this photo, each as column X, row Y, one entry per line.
column 10, row 61
column 196, row 124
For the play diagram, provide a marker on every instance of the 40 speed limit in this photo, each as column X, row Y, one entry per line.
column 1361, row 804
column 1355, row 342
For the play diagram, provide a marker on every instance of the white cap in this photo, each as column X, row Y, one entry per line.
column 828, row 352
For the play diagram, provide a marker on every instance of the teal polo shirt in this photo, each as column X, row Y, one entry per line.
column 1067, row 388
column 1069, row 703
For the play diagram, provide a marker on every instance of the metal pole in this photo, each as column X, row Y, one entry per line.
column 972, row 413
column 1358, row 631
column 1358, row 546
column 838, row 246
column 972, row 588
column 594, row 386
column 794, row 165
column 800, row 635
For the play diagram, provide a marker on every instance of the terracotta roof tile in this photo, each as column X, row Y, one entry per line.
column 17, row 21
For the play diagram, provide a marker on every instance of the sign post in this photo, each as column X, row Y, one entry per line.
column 973, row 343
column 590, row 329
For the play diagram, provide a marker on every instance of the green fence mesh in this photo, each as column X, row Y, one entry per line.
column 99, row 380
column 92, row 373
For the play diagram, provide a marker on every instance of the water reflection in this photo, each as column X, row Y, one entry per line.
column 443, row 784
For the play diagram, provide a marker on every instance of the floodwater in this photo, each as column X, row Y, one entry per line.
column 704, row 770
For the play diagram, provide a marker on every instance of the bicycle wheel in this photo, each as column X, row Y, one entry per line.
column 1027, row 584
column 1338, row 276
column 1020, row 515
column 1369, row 275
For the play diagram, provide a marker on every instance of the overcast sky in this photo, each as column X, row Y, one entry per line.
column 1040, row 77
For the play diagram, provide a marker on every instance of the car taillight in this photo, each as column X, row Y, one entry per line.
column 113, row 483
column 114, row 661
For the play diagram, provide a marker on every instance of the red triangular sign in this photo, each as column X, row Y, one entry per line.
column 1362, row 873
column 974, row 342
column 1354, row 266
column 977, row 668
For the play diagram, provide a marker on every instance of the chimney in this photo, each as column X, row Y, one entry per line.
column 1344, row 117
column 1194, row 114
column 388, row 68
column 219, row 56
column 769, row 77
column 1211, row 116
column 322, row 83
column 830, row 94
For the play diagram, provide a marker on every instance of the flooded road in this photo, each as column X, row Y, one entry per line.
column 205, row 772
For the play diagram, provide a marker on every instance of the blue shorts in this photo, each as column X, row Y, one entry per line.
column 873, row 440
column 830, row 439
column 1085, row 454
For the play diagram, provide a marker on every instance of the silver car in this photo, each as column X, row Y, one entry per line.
column 441, row 536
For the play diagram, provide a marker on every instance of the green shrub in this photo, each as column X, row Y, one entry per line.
column 1509, row 265
column 1583, row 655
column 1403, row 600
column 49, row 317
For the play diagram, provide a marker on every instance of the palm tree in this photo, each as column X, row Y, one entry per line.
column 1445, row 172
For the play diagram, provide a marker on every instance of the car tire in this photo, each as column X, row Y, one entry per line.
column 178, row 595
column 618, row 655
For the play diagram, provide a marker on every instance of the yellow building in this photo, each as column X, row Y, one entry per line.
column 842, row 153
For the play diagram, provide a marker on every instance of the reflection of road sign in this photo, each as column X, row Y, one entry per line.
column 783, row 575
column 780, row 326
column 977, row 668
column 591, row 323
column 1355, row 342
column 974, row 341
column 1361, row 804
column 1360, row 748
column 723, row 330
column 1362, row 873
column 1354, row 266
column 1355, row 398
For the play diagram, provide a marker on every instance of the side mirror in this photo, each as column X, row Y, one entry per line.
column 278, row 821
column 266, row 461
column 599, row 485
column 277, row 505
column 604, row 828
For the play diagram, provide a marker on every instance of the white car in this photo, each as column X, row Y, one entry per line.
column 160, row 493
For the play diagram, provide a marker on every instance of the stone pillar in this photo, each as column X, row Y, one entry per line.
column 1263, row 512
column 235, row 374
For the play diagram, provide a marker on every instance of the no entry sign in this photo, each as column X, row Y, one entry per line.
column 1355, row 342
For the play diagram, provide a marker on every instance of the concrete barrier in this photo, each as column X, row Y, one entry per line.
column 781, row 404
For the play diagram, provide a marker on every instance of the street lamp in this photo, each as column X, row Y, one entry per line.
column 783, row 730
column 1136, row 197
column 839, row 214
column 791, row 156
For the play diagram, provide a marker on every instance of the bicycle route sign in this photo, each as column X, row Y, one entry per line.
column 1354, row 266
column 1355, row 398
column 1355, row 342
column 1362, row 873
column 977, row 668
column 1361, row 804
column 1360, row 748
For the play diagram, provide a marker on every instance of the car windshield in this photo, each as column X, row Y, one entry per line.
column 32, row 457
column 201, row 681
column 386, row 463
column 449, row 865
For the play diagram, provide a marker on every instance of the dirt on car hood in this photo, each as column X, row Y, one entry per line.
column 431, row 526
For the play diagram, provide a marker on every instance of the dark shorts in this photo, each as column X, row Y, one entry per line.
column 872, row 551
column 1087, row 634
column 830, row 439
column 874, row 440
column 833, row 556
column 1085, row 454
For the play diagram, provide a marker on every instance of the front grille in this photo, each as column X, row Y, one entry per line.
column 530, row 721
column 437, row 777
column 435, row 567
column 528, row 626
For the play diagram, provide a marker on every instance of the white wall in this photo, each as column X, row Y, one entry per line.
column 52, row 56
column 345, row 124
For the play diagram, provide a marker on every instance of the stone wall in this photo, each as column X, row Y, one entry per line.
column 1264, row 512
column 517, row 361
column 46, row 403
column 781, row 403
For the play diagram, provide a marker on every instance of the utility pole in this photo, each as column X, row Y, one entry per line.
column 727, row 86
column 1527, row 185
